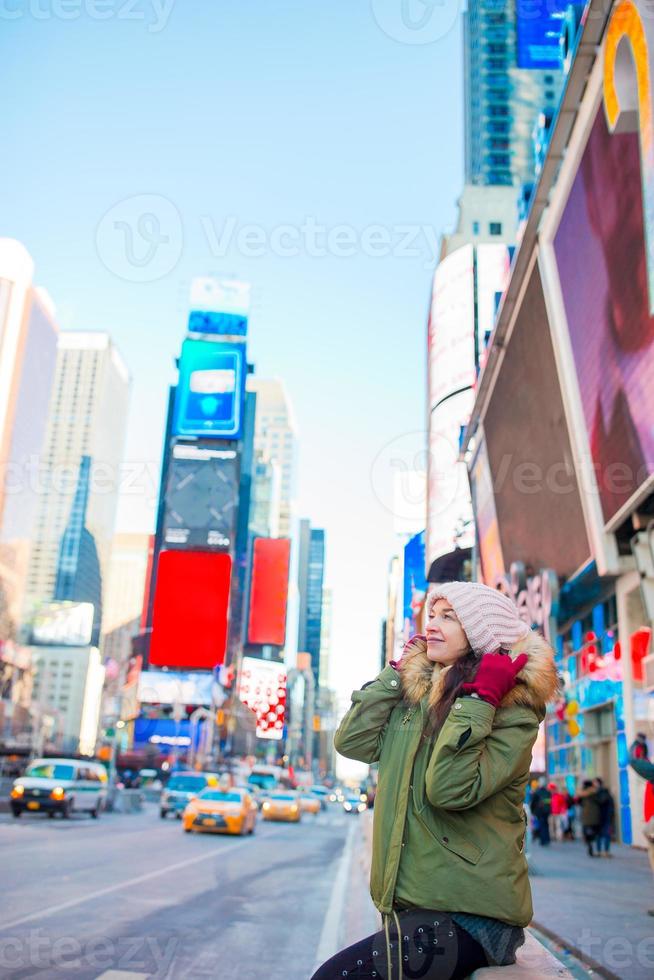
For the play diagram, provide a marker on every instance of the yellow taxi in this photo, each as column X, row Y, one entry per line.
column 221, row 811
column 309, row 804
column 282, row 806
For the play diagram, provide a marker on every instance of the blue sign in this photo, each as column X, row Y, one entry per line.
column 219, row 307
column 539, row 27
column 211, row 390
column 165, row 733
column 205, row 322
column 415, row 583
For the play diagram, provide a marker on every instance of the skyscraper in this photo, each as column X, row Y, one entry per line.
column 28, row 351
column 275, row 437
column 82, row 455
column 310, row 584
column 325, row 636
column 506, row 86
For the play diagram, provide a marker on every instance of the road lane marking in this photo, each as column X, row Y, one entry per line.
column 328, row 944
column 53, row 909
column 121, row 975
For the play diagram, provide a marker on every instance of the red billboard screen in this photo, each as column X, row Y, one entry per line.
column 269, row 591
column 191, row 603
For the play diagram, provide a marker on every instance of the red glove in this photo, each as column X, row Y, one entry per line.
column 495, row 677
column 397, row 664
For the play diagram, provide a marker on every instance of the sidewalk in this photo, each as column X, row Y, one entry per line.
column 597, row 907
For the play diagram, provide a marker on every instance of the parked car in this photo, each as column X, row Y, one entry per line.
column 60, row 786
column 182, row 787
column 223, row 811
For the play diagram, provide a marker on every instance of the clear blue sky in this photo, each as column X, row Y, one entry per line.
column 266, row 114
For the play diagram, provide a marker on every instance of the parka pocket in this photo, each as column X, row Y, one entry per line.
column 448, row 835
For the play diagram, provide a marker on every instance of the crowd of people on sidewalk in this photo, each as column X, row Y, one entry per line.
column 558, row 814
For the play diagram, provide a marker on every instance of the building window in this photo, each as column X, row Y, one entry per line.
column 475, row 227
column 495, row 228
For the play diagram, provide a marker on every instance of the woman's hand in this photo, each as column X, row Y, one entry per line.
column 418, row 641
column 495, row 677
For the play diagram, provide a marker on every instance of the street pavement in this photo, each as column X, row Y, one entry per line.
column 131, row 895
column 597, row 906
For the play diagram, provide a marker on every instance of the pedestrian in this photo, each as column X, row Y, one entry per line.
column 541, row 807
column 452, row 725
column 590, row 813
column 571, row 816
column 639, row 762
column 607, row 813
column 559, row 811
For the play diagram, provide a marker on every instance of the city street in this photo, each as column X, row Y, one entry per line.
column 134, row 894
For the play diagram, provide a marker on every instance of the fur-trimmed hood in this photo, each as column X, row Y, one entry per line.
column 537, row 683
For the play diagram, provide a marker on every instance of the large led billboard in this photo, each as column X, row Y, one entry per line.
column 262, row 687
column 451, row 335
column 210, row 390
column 539, row 24
column 489, row 544
column 529, row 456
column 191, row 605
column 173, row 686
column 64, row 623
column 600, row 253
column 219, row 307
column 415, row 582
column 201, row 499
column 269, row 591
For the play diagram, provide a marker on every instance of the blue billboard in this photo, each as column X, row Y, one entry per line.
column 415, row 583
column 211, row 390
column 539, row 24
column 219, row 307
column 165, row 733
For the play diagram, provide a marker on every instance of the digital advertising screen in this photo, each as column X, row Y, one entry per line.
column 64, row 623
column 415, row 582
column 262, row 688
column 201, row 500
column 173, row 686
column 191, row 606
column 269, row 591
column 488, row 531
column 539, row 24
column 210, row 390
column 451, row 337
column 600, row 253
column 219, row 307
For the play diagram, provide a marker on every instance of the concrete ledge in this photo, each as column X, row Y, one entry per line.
column 532, row 960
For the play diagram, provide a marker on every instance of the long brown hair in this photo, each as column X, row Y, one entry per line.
column 461, row 672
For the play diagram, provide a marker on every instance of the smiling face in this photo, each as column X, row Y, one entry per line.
column 446, row 640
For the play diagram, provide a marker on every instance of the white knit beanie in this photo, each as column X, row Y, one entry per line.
column 489, row 618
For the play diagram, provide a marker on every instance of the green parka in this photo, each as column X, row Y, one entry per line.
column 449, row 824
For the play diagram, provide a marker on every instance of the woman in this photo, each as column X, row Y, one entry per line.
column 452, row 727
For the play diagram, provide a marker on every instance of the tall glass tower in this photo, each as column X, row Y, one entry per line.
column 511, row 74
